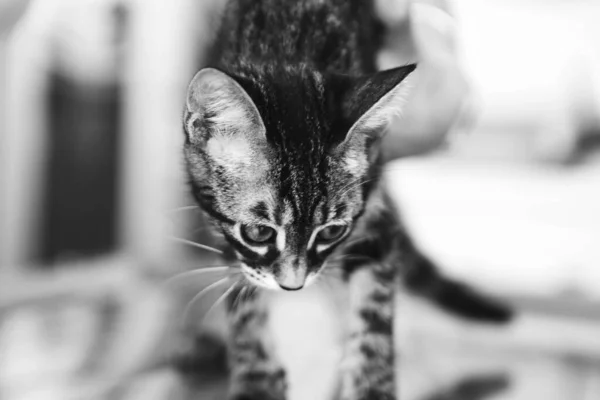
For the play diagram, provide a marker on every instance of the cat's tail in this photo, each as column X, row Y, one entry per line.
column 424, row 279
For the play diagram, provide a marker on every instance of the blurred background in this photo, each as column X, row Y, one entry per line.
column 501, row 188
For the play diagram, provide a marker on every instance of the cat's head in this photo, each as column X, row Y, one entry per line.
column 283, row 160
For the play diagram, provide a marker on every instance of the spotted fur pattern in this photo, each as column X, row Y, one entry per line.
column 282, row 132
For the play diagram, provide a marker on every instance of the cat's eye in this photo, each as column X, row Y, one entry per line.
column 258, row 234
column 331, row 233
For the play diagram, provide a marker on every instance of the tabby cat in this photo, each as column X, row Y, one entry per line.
column 283, row 151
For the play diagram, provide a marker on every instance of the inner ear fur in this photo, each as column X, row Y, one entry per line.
column 371, row 102
column 217, row 105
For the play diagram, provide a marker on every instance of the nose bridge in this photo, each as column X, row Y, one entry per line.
column 293, row 266
column 297, row 236
column 295, row 252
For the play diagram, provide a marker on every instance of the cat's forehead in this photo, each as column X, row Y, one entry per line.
column 294, row 106
column 295, row 208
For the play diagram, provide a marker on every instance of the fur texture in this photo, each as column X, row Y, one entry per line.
column 282, row 148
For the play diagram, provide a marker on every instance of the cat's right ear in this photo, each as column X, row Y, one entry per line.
column 216, row 105
column 371, row 102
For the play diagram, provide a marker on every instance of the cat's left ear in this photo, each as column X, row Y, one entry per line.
column 218, row 107
column 371, row 102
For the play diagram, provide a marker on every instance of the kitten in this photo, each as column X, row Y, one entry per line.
column 282, row 146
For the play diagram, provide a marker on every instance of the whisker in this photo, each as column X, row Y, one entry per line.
column 253, row 290
column 236, row 301
column 343, row 257
column 204, row 229
column 184, row 208
column 371, row 237
column 351, row 183
column 326, row 268
column 354, row 241
column 354, row 184
column 201, row 294
column 220, row 300
column 194, row 244
column 359, row 184
column 198, row 272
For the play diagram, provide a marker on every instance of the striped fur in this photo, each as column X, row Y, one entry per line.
column 282, row 134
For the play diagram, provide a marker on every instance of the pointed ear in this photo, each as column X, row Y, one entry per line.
column 373, row 101
column 217, row 106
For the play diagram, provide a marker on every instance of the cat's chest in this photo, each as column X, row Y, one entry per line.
column 308, row 332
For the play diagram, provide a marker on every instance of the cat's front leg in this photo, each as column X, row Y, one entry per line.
column 368, row 365
column 255, row 374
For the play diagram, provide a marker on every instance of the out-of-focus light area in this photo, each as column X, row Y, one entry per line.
column 93, row 201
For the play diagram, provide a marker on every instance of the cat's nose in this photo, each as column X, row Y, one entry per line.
column 291, row 289
column 292, row 279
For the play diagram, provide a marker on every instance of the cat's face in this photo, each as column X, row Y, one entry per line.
column 284, row 160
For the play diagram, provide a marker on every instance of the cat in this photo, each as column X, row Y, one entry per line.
column 283, row 132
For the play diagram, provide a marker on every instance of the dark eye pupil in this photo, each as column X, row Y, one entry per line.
column 257, row 233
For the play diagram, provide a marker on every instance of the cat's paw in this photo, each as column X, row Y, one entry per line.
column 259, row 385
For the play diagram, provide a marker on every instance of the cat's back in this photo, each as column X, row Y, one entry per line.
column 333, row 35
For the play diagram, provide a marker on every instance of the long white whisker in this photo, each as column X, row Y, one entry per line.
column 240, row 295
column 359, row 184
column 237, row 299
column 197, row 272
column 202, row 293
column 205, row 228
column 219, row 301
column 252, row 291
column 346, row 186
column 350, row 256
column 194, row 244
column 184, row 208
column 353, row 184
column 335, row 263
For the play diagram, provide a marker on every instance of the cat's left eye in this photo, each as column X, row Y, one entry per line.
column 331, row 233
column 258, row 234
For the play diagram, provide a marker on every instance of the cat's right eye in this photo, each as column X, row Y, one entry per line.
column 331, row 233
column 258, row 234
